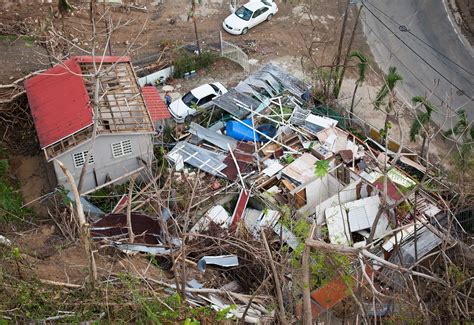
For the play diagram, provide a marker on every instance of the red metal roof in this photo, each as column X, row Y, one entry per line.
column 59, row 102
column 154, row 103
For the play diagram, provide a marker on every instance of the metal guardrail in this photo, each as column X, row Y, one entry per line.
column 235, row 53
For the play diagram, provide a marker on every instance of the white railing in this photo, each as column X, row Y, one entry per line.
column 235, row 53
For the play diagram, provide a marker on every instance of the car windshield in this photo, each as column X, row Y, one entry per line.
column 189, row 99
column 244, row 13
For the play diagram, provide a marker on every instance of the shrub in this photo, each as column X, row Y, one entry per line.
column 10, row 197
column 186, row 62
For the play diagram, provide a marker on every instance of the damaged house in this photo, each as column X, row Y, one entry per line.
column 61, row 102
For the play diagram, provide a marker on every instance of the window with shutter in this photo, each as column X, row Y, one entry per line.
column 122, row 148
column 80, row 157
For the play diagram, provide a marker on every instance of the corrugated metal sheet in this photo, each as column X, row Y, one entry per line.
column 289, row 82
column 231, row 103
column 222, row 260
column 206, row 160
column 154, row 104
column 392, row 190
column 59, row 102
column 114, row 226
column 213, row 137
column 240, row 207
column 331, row 294
column 244, row 161
column 406, row 256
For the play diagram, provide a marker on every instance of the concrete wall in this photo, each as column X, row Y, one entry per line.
column 319, row 191
column 104, row 162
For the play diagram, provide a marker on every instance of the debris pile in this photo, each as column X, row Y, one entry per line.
column 229, row 209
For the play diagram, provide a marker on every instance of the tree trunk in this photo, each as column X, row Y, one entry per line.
column 193, row 9
column 276, row 279
column 352, row 101
column 131, row 235
column 346, row 58
column 306, row 268
column 423, row 144
column 339, row 48
column 85, row 232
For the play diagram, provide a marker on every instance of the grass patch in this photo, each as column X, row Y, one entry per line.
column 28, row 40
column 10, row 196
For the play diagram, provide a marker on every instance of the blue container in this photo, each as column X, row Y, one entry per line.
column 244, row 132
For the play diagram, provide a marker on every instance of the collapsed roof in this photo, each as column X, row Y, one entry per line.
column 61, row 101
column 270, row 81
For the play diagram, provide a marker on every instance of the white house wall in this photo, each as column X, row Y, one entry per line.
column 319, row 191
column 104, row 161
column 347, row 194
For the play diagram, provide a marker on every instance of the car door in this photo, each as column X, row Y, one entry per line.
column 204, row 101
column 259, row 16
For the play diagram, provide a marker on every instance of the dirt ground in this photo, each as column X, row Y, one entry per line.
column 147, row 31
column 50, row 258
column 32, row 175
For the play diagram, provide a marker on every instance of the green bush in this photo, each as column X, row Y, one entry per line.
column 206, row 59
column 10, row 197
column 186, row 62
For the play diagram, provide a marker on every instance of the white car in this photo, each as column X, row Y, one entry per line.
column 249, row 15
column 186, row 107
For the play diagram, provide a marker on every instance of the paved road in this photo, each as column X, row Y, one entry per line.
column 432, row 36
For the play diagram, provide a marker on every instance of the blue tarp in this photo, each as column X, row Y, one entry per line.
column 245, row 132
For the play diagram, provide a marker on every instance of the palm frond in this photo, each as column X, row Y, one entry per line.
column 415, row 130
column 381, row 95
column 429, row 107
column 361, row 66
column 392, row 77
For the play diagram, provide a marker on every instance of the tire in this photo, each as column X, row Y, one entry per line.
column 270, row 16
column 188, row 119
column 245, row 31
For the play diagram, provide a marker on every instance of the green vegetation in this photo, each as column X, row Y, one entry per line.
column 361, row 69
column 289, row 158
column 321, row 168
column 186, row 62
column 29, row 40
column 24, row 299
column 324, row 266
column 106, row 198
column 10, row 197
column 463, row 132
column 421, row 123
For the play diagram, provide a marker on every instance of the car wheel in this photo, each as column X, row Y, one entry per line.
column 188, row 119
column 245, row 31
column 270, row 16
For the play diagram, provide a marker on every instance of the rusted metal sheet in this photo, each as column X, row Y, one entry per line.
column 240, row 208
column 114, row 227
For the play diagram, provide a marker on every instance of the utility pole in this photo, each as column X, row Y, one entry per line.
column 193, row 13
column 351, row 40
column 339, row 49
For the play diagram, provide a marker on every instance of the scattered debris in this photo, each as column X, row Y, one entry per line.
column 223, row 261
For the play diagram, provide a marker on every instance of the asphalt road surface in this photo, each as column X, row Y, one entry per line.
column 418, row 38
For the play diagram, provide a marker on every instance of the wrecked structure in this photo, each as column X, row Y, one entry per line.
column 267, row 162
column 277, row 171
column 92, row 103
